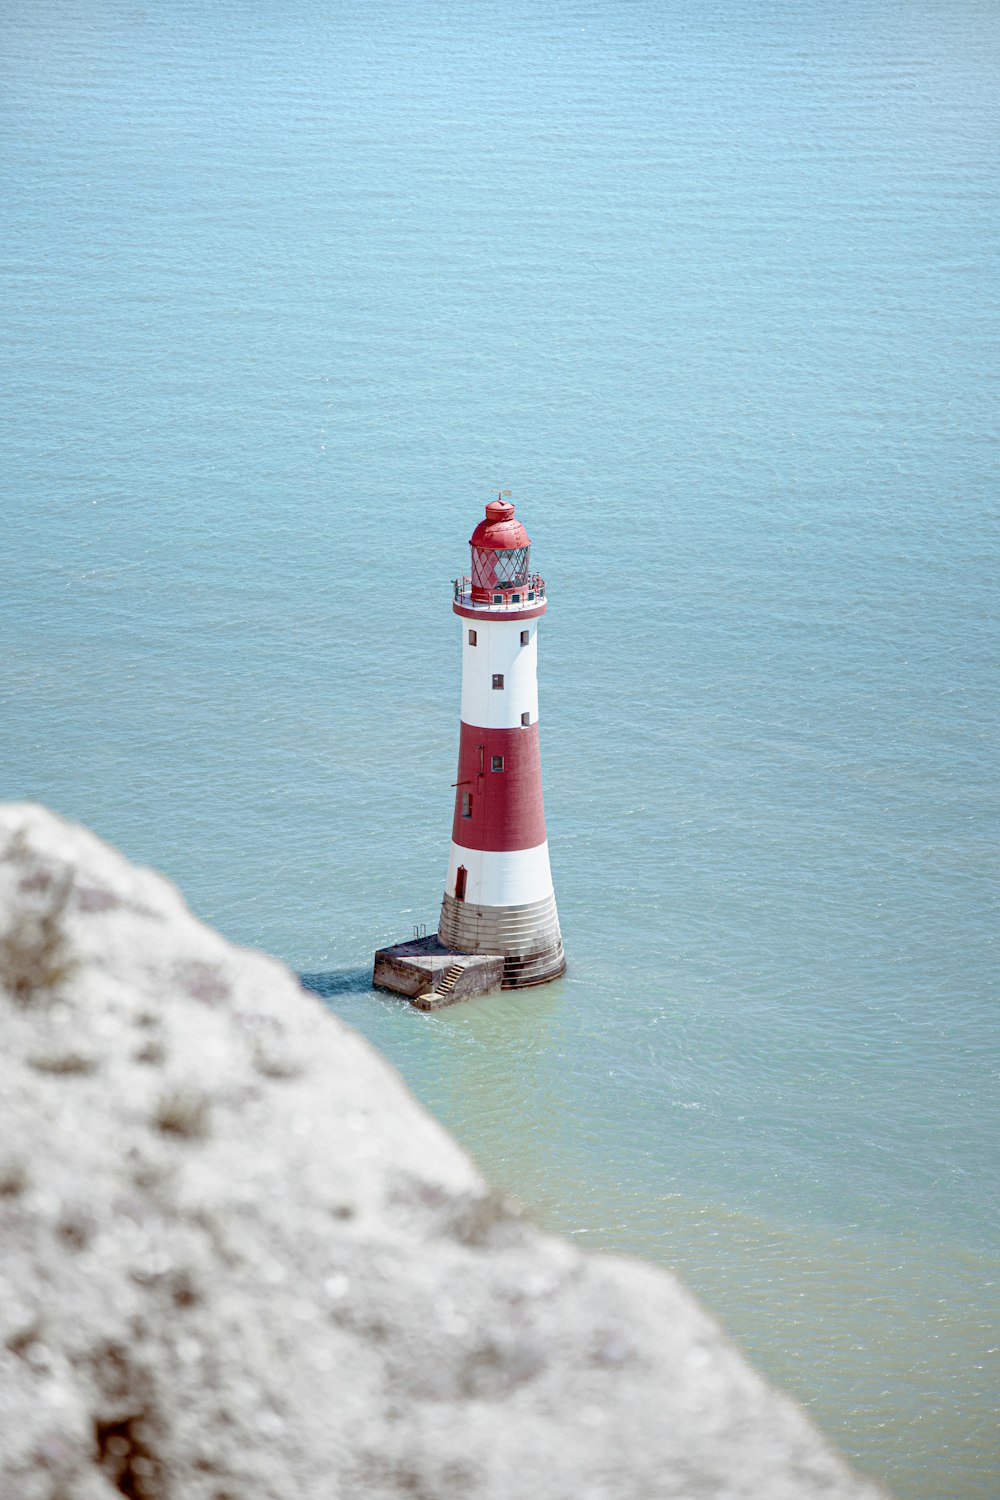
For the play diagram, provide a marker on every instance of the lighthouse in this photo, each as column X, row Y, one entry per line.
column 498, row 895
column 499, row 927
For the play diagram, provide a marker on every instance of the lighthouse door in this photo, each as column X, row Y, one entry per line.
column 461, row 876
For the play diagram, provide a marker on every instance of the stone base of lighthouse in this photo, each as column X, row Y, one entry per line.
column 476, row 950
column 527, row 936
column 430, row 975
column 502, row 901
column 456, row 962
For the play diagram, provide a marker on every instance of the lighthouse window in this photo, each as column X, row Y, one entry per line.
column 524, row 637
column 496, row 762
column 498, row 598
column 498, row 679
column 525, row 719
column 500, row 568
column 466, row 804
column 511, row 566
column 472, row 637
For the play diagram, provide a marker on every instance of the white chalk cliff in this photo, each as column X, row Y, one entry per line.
column 238, row 1261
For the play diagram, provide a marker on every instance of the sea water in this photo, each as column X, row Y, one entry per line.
column 289, row 292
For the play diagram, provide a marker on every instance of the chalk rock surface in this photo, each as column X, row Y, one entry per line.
column 239, row 1262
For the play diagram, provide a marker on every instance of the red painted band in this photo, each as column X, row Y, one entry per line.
column 485, row 615
column 506, row 806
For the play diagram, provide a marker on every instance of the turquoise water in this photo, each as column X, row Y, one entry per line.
column 289, row 292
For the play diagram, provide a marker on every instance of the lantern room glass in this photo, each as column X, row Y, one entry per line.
column 503, row 568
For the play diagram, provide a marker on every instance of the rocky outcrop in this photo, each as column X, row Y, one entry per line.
column 239, row 1262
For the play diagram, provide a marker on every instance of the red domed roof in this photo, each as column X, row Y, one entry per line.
column 500, row 530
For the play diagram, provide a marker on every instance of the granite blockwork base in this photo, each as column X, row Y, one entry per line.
column 528, row 937
column 432, row 975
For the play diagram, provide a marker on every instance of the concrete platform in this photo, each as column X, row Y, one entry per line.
column 431, row 975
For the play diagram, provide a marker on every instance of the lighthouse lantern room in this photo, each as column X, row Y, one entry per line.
column 499, row 926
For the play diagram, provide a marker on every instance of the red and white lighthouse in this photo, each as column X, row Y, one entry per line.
column 498, row 896
column 499, row 927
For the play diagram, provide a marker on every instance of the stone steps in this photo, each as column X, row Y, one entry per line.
column 446, row 983
column 427, row 982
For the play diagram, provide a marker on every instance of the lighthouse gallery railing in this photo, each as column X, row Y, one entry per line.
column 529, row 592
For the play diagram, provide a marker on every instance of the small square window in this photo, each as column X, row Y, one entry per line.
column 525, row 637
column 496, row 762
column 498, row 680
column 472, row 637
column 515, row 598
column 466, row 804
column 526, row 719
column 531, row 595
column 498, row 598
